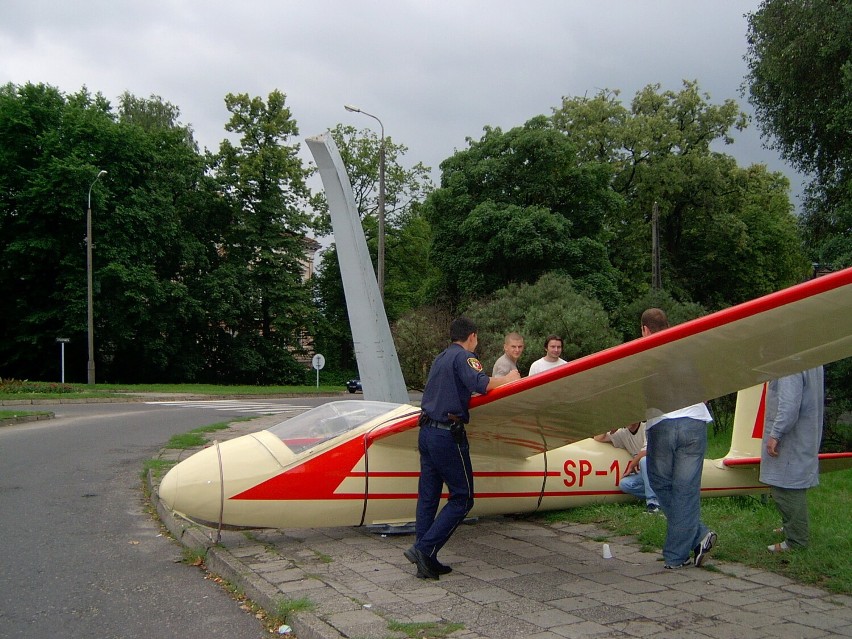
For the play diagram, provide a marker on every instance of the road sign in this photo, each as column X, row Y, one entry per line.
column 62, row 341
column 318, row 362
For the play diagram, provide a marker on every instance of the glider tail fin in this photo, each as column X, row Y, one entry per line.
column 748, row 423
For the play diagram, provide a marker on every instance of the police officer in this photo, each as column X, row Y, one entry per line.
column 444, row 451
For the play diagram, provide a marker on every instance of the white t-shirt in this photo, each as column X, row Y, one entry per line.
column 541, row 365
column 631, row 442
column 696, row 411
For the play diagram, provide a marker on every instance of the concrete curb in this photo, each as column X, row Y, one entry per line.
column 221, row 562
column 149, row 397
column 9, row 421
column 69, row 400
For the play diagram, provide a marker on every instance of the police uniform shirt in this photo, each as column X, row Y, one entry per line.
column 455, row 375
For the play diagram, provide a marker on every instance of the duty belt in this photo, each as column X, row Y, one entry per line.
column 428, row 422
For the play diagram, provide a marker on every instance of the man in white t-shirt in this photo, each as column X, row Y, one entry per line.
column 677, row 443
column 551, row 359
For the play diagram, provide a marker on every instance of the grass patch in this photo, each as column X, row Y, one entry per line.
column 26, row 390
column 744, row 525
column 286, row 607
column 193, row 556
column 425, row 630
column 218, row 389
column 196, row 437
column 157, row 467
column 12, row 414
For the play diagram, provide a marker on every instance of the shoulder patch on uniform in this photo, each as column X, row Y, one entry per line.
column 474, row 364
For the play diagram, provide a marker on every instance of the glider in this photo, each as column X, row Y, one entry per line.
column 355, row 462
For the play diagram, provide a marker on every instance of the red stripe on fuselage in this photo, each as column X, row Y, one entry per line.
column 316, row 478
column 558, row 493
column 319, row 477
column 755, row 461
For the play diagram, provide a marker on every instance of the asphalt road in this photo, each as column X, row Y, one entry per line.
column 79, row 556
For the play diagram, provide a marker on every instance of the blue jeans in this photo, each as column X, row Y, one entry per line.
column 442, row 461
column 638, row 484
column 676, row 449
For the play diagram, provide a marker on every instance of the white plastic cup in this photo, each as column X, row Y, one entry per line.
column 607, row 553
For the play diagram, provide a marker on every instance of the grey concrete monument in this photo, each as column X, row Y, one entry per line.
column 378, row 363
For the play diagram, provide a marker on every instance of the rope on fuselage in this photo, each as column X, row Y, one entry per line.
column 221, row 493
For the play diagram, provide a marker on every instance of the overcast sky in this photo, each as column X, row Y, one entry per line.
column 433, row 72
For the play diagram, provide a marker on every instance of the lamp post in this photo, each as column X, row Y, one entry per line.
column 380, row 260
column 90, row 320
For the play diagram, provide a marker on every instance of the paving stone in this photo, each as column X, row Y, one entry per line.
column 792, row 630
column 550, row 617
column 583, row 629
column 639, row 628
column 572, row 604
column 823, row 621
column 606, row 614
column 489, row 595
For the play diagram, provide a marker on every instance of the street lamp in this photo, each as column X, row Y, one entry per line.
column 380, row 266
column 90, row 321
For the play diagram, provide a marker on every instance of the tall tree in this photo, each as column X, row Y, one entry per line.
column 51, row 149
column 152, row 247
column 360, row 152
column 44, row 173
column 515, row 205
column 258, row 300
column 800, row 84
column 716, row 219
column 800, row 81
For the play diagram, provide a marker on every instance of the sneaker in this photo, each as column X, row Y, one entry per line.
column 678, row 566
column 652, row 509
column 782, row 547
column 704, row 547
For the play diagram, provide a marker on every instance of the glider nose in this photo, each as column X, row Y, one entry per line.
column 202, row 487
column 168, row 488
column 193, row 488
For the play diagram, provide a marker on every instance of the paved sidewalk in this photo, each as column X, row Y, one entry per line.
column 511, row 578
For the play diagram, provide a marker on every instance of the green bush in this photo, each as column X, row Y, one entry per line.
column 25, row 387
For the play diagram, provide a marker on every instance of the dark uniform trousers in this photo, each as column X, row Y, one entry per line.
column 443, row 460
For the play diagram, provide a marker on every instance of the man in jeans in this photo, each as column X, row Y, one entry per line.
column 677, row 443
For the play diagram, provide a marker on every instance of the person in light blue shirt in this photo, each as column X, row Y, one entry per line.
column 789, row 460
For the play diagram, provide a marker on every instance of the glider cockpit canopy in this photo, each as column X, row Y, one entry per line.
column 328, row 421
